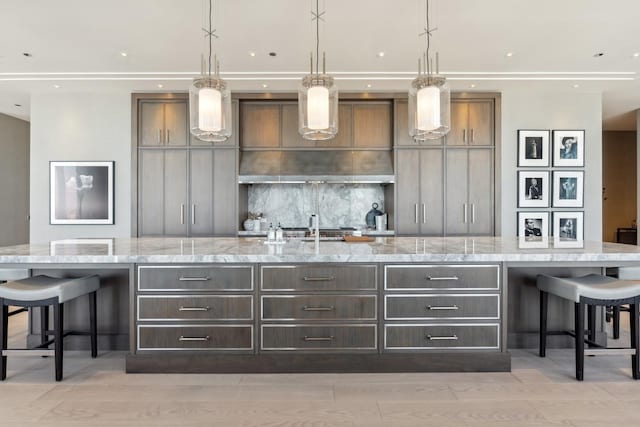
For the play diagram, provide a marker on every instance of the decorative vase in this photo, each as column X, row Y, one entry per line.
column 248, row 224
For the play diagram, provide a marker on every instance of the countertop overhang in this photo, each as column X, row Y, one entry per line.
column 253, row 250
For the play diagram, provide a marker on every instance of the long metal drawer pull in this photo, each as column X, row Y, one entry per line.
column 442, row 338
column 183, row 338
column 194, row 279
column 319, row 279
column 416, row 205
column 443, row 307
column 194, row 308
column 311, row 339
column 435, row 278
column 307, row 308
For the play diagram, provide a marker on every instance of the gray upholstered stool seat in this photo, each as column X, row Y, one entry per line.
column 7, row 274
column 591, row 290
column 45, row 291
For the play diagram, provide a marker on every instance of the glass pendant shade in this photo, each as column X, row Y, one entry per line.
column 318, row 107
column 210, row 109
column 429, row 108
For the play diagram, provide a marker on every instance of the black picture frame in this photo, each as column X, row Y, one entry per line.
column 533, row 189
column 568, row 148
column 568, row 229
column 533, row 148
column 533, row 229
column 568, row 189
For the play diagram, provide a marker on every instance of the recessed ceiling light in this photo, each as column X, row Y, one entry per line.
column 509, row 54
column 27, row 54
column 56, row 86
column 472, row 85
column 272, row 54
column 380, row 54
column 576, row 86
column 123, row 54
column 369, row 86
column 636, row 55
column 264, row 85
column 160, row 85
column 252, row 54
column 598, row 54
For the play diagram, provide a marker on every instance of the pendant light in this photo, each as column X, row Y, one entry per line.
column 429, row 96
column 210, row 99
column 318, row 97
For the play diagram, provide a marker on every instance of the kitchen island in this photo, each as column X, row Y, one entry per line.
column 239, row 305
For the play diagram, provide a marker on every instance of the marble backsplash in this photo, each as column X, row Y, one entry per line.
column 340, row 205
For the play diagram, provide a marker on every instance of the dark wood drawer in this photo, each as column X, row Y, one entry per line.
column 441, row 336
column 309, row 337
column 419, row 277
column 193, row 337
column 319, row 278
column 460, row 306
column 194, row 278
column 314, row 307
column 195, row 307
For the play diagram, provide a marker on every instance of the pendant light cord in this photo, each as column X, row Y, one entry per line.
column 210, row 34
column 427, row 60
column 317, row 37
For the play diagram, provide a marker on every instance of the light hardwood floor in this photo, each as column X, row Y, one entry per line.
column 538, row 392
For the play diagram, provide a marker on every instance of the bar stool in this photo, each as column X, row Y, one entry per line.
column 8, row 274
column 623, row 273
column 592, row 290
column 45, row 291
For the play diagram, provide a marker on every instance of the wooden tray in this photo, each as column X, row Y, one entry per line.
column 351, row 239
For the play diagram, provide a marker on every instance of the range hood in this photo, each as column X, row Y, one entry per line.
column 298, row 166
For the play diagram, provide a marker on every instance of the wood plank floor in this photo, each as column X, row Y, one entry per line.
column 538, row 392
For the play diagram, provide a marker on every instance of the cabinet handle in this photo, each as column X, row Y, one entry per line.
column 437, row 278
column 307, row 308
column 182, row 214
column 416, row 205
column 318, row 279
column 168, row 137
column 194, row 309
column 183, row 338
column 442, row 307
column 464, row 136
column 473, row 213
column 473, row 139
column 464, row 213
column 308, row 339
column 194, row 279
column 424, row 213
column 193, row 214
column 159, row 136
column 442, row 338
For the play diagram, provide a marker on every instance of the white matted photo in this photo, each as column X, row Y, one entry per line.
column 533, row 229
column 81, row 192
column 568, row 229
column 568, row 189
column 81, row 247
column 533, row 148
column 568, row 148
column 533, row 189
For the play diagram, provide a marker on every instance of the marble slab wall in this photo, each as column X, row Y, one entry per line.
column 340, row 205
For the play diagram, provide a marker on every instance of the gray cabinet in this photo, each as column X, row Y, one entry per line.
column 163, row 123
column 472, row 122
column 402, row 137
column 469, row 191
column 419, row 190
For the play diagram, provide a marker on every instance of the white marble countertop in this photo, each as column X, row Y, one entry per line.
column 253, row 250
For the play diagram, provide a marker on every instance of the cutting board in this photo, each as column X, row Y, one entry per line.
column 352, row 239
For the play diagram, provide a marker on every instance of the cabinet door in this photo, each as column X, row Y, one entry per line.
column 480, row 123
column 456, row 190
column 176, row 131
column 459, row 134
column 151, row 193
column 344, row 138
column 201, row 191
column 225, row 189
column 402, row 128
column 372, row 126
column 175, row 193
column 431, row 192
column 291, row 138
column 151, row 126
column 408, row 191
column 481, row 191
column 260, row 125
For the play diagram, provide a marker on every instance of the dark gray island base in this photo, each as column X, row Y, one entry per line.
column 227, row 305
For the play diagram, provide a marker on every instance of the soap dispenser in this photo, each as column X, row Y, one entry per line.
column 271, row 234
column 279, row 234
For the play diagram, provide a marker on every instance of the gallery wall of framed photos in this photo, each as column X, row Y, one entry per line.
column 550, row 187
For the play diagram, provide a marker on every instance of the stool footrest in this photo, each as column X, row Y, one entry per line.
column 28, row 352
column 609, row 351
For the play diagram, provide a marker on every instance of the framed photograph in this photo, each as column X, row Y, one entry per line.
column 533, row 229
column 568, row 229
column 81, row 247
column 533, row 148
column 568, row 189
column 533, row 189
column 568, row 148
column 81, row 192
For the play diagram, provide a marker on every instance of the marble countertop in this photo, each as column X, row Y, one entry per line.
column 253, row 250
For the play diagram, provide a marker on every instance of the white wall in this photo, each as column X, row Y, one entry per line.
column 529, row 109
column 80, row 126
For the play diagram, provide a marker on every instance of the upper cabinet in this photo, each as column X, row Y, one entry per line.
column 402, row 137
column 163, row 123
column 472, row 122
column 274, row 125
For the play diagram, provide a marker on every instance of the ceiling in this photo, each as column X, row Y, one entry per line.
column 76, row 45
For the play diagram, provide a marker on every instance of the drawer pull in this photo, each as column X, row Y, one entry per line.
column 442, row 338
column 194, row 279
column 442, row 278
column 183, row 338
column 442, row 307
column 314, row 339
column 194, row 308
column 319, row 279
column 307, row 308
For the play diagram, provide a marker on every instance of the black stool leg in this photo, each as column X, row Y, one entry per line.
column 591, row 320
column 635, row 340
column 544, row 301
column 44, row 323
column 579, row 325
column 93, row 325
column 58, row 316
column 616, row 322
column 4, row 334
